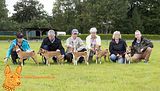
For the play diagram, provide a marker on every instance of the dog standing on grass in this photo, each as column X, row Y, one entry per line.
column 12, row 79
column 77, row 55
column 51, row 54
column 24, row 55
column 101, row 53
column 128, row 55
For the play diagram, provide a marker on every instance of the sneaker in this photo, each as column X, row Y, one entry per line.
column 5, row 60
column 145, row 61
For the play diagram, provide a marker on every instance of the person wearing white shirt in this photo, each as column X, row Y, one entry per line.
column 92, row 41
column 74, row 44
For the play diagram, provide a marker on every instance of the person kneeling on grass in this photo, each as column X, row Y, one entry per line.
column 52, row 43
column 74, row 44
column 117, row 48
column 93, row 41
column 22, row 44
column 141, row 48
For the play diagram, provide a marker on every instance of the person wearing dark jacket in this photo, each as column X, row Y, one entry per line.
column 117, row 48
column 52, row 43
column 141, row 48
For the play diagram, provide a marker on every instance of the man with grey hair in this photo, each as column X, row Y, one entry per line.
column 74, row 44
column 141, row 48
column 52, row 43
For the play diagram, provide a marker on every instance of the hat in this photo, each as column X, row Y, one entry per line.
column 51, row 32
column 93, row 29
column 75, row 31
column 19, row 35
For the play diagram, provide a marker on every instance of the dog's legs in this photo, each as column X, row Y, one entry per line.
column 105, row 58
column 35, row 60
column 74, row 60
column 96, row 60
column 47, row 62
column 125, row 61
column 129, row 62
column 86, row 60
column 100, row 60
column 21, row 61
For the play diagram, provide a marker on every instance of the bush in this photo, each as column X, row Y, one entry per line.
column 83, row 37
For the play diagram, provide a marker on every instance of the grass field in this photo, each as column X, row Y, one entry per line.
column 95, row 77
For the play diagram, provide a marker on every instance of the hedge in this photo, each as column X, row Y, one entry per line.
column 83, row 36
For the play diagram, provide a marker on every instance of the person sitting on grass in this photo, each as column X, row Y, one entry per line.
column 74, row 44
column 22, row 44
column 52, row 43
column 141, row 48
column 117, row 48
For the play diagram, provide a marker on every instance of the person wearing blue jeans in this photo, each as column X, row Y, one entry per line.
column 115, row 58
column 117, row 48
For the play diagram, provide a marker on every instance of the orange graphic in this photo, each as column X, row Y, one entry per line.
column 38, row 77
column 12, row 79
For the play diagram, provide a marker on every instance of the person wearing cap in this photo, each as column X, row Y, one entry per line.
column 74, row 44
column 117, row 48
column 23, row 45
column 141, row 48
column 92, row 41
column 52, row 43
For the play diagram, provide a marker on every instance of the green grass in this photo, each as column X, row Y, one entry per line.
column 95, row 77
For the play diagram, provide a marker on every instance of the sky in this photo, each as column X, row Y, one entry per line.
column 48, row 5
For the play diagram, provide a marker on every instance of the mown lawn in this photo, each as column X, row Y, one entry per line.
column 95, row 77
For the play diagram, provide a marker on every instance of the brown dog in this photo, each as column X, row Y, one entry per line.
column 24, row 55
column 100, row 54
column 51, row 54
column 77, row 55
column 12, row 79
column 128, row 55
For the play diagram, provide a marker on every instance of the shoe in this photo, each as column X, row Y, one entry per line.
column 145, row 61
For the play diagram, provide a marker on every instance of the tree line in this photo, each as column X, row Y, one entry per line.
column 106, row 15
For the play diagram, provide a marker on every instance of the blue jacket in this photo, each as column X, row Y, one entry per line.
column 25, row 46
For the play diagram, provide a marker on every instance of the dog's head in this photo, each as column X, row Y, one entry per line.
column 12, row 79
column 42, row 51
column 106, row 50
column 17, row 49
column 128, row 49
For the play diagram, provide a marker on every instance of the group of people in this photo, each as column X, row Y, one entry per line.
column 141, row 47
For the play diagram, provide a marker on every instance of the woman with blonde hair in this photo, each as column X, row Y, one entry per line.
column 117, row 48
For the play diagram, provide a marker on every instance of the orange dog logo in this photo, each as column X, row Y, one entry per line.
column 12, row 79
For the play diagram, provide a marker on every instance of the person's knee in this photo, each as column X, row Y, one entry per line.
column 135, row 59
column 120, row 60
column 149, row 49
column 113, row 57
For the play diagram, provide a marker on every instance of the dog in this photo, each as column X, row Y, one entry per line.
column 24, row 55
column 51, row 54
column 12, row 79
column 77, row 55
column 128, row 55
column 100, row 54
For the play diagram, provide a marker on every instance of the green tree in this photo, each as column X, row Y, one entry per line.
column 70, row 14
column 4, row 11
column 27, row 10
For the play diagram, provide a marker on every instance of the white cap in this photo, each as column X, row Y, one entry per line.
column 51, row 32
column 93, row 29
